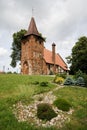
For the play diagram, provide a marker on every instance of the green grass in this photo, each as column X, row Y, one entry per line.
column 77, row 96
column 14, row 88
column 62, row 104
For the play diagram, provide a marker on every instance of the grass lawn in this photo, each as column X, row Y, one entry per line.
column 14, row 88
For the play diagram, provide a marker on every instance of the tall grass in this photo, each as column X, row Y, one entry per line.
column 17, row 85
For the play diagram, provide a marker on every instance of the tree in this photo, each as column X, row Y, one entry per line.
column 16, row 47
column 78, row 58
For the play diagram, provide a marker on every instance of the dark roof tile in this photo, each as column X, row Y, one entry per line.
column 32, row 29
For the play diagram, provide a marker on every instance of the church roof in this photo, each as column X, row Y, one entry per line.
column 58, row 59
column 32, row 29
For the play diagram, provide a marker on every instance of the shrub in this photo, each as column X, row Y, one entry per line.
column 45, row 111
column 83, row 75
column 80, row 81
column 62, row 104
column 85, row 79
column 44, row 84
column 69, row 81
column 79, row 73
column 63, row 75
column 59, row 80
column 35, row 83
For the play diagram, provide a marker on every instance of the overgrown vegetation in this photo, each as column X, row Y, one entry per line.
column 45, row 111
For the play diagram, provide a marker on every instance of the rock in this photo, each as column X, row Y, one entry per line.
column 59, row 116
column 29, row 112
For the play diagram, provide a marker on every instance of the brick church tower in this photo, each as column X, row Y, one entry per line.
column 32, row 51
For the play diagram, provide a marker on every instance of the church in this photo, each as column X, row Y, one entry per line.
column 35, row 58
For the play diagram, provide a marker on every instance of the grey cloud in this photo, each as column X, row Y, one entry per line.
column 75, row 21
column 15, row 12
column 60, row 21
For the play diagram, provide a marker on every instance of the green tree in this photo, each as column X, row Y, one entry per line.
column 16, row 47
column 78, row 58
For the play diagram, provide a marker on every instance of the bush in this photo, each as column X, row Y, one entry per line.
column 69, row 81
column 44, row 84
column 83, row 75
column 79, row 73
column 45, row 111
column 63, row 75
column 59, row 80
column 35, row 83
column 85, row 79
column 62, row 104
column 80, row 81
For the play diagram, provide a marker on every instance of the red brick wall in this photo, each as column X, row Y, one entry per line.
column 32, row 54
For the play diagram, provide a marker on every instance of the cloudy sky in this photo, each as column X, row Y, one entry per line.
column 60, row 21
